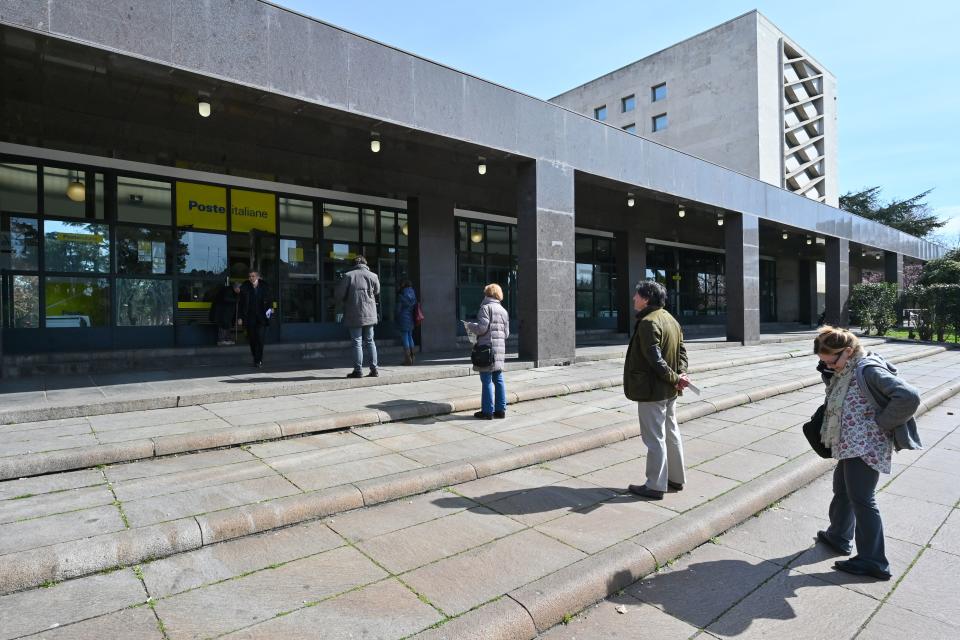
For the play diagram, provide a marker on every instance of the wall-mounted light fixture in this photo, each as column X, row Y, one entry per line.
column 75, row 190
column 719, row 219
column 203, row 107
column 482, row 166
column 878, row 256
column 809, row 240
column 375, row 142
column 681, row 211
column 630, row 200
column 784, row 235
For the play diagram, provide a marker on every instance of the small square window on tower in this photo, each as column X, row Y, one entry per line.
column 658, row 92
column 628, row 104
column 630, row 128
column 659, row 122
column 600, row 113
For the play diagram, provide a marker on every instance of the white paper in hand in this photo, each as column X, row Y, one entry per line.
column 694, row 388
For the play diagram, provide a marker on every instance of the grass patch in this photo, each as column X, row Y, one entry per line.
column 22, row 497
column 905, row 335
column 567, row 617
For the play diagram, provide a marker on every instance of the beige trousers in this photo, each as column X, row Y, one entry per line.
column 661, row 435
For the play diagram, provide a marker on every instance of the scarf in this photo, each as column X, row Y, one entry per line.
column 836, row 393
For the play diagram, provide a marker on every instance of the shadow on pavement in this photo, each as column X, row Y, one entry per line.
column 423, row 411
column 523, row 502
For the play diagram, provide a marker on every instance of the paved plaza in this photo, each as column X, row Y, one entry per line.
column 443, row 526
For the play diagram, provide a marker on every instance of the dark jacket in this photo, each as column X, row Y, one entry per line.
column 894, row 401
column 223, row 311
column 359, row 292
column 655, row 358
column 254, row 302
column 406, row 301
column 492, row 327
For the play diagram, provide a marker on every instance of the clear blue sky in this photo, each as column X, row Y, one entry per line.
column 896, row 63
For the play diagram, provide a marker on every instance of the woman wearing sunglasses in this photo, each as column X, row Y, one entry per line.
column 869, row 411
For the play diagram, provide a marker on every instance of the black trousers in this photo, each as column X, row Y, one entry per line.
column 255, row 336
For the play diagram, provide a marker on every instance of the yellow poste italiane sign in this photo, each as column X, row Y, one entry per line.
column 201, row 206
column 253, row 210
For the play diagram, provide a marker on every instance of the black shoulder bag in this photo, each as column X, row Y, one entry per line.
column 812, row 432
column 482, row 354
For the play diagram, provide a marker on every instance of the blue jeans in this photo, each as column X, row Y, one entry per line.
column 363, row 337
column 406, row 339
column 854, row 514
column 492, row 384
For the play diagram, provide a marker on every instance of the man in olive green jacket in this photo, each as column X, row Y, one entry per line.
column 653, row 374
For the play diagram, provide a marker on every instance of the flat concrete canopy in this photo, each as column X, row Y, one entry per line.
column 292, row 60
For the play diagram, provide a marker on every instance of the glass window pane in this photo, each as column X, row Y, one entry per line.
column 57, row 183
column 498, row 239
column 19, row 244
column 296, row 218
column 298, row 302
column 628, row 103
column 26, row 302
column 98, row 196
column 659, row 92
column 144, row 303
column 194, row 298
column 143, row 201
column 387, row 227
column 477, row 237
column 604, row 305
column 298, row 259
column 600, row 113
column 76, row 246
column 202, row 253
column 462, row 239
column 604, row 250
column 584, row 248
column 77, row 302
column 144, row 250
column 18, row 188
column 584, row 276
column 604, row 276
column 403, row 224
column 369, row 226
column 660, row 122
column 584, row 304
column 344, row 223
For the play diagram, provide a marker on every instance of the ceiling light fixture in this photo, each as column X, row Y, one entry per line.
column 482, row 166
column 784, row 235
column 375, row 142
column 681, row 212
column 75, row 190
column 809, row 240
column 476, row 236
column 405, row 229
column 878, row 256
column 327, row 219
column 630, row 200
column 203, row 108
column 719, row 219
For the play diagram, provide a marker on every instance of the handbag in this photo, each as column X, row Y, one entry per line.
column 482, row 355
column 417, row 314
column 811, row 430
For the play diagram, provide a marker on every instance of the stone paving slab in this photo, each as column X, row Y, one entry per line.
column 406, row 565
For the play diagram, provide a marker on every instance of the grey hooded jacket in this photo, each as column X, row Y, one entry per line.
column 894, row 401
column 359, row 292
column 492, row 327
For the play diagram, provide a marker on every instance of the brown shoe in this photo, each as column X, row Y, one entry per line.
column 407, row 358
column 645, row 492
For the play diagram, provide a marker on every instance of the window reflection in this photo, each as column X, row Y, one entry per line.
column 144, row 303
column 76, row 302
column 202, row 253
column 18, row 188
column 26, row 302
column 19, row 244
column 143, row 201
column 76, row 246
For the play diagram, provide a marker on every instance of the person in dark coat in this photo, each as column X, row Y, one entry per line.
column 223, row 312
column 359, row 293
column 406, row 303
column 492, row 328
column 654, row 372
column 256, row 308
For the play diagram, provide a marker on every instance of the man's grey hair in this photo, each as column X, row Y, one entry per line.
column 359, row 260
column 654, row 292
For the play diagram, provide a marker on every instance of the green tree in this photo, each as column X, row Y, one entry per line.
column 911, row 215
column 940, row 271
column 875, row 305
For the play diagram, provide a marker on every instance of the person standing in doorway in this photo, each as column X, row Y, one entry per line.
column 406, row 304
column 223, row 312
column 653, row 374
column 255, row 311
column 359, row 292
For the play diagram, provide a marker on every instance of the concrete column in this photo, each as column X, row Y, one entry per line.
column 838, row 282
column 546, row 278
column 433, row 269
column 632, row 258
column 742, row 237
column 807, row 292
column 893, row 268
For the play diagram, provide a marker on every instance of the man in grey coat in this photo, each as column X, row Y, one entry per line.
column 359, row 292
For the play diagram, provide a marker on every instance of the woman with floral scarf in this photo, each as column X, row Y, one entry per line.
column 869, row 411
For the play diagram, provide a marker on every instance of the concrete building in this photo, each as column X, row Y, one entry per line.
column 743, row 95
column 150, row 154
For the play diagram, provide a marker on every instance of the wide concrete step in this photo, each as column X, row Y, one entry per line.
column 32, row 448
column 67, row 525
column 510, row 554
